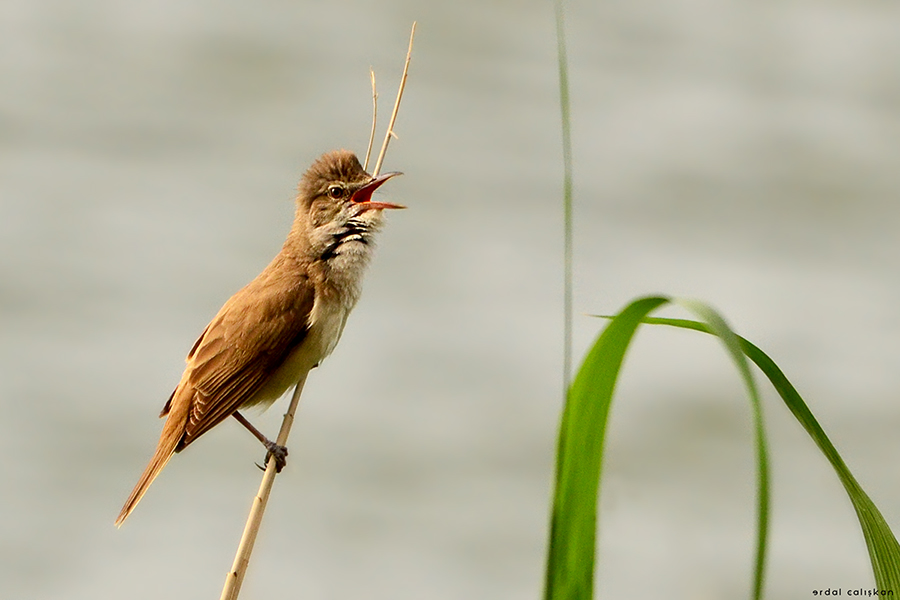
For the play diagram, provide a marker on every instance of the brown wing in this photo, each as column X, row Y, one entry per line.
column 243, row 345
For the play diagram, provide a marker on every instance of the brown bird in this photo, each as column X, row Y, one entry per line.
column 283, row 323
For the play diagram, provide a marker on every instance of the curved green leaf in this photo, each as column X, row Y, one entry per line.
column 570, row 560
column 884, row 551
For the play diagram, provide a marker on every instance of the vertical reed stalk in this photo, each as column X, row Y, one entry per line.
column 235, row 576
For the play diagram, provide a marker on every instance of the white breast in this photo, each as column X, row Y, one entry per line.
column 327, row 322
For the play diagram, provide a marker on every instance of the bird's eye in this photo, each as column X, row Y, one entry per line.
column 335, row 191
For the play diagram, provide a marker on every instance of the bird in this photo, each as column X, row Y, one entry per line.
column 271, row 333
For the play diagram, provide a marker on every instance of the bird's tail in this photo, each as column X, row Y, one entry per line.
column 172, row 432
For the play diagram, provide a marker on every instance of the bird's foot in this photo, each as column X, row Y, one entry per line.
column 279, row 453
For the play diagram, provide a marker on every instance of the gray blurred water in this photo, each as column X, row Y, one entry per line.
column 744, row 153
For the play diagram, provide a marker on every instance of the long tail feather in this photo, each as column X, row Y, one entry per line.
column 172, row 432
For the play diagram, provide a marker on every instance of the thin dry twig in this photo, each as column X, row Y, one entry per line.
column 390, row 130
column 235, row 577
column 374, row 119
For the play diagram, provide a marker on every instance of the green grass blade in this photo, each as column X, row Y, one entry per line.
column 884, row 551
column 567, row 194
column 570, row 560
column 731, row 341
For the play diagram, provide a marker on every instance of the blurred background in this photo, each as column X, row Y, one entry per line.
column 744, row 153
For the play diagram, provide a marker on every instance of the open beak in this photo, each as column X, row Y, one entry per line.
column 364, row 194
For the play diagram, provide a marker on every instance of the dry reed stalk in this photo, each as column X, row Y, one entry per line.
column 374, row 120
column 390, row 130
column 235, row 576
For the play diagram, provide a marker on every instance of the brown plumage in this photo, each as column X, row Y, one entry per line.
column 284, row 322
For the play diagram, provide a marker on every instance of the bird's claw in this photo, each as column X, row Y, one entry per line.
column 279, row 453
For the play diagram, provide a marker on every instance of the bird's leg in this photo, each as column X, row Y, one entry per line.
column 279, row 452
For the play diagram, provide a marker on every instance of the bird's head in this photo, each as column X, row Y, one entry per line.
column 335, row 202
